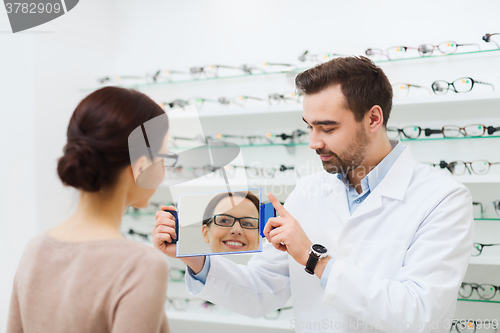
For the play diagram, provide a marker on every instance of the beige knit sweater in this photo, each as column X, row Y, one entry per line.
column 99, row 286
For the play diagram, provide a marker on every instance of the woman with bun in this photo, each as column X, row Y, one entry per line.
column 83, row 275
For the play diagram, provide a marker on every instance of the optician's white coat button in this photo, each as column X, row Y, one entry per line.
column 347, row 252
column 330, row 296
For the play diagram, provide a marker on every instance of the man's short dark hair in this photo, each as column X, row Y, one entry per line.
column 361, row 81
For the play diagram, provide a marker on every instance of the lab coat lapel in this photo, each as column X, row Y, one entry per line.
column 337, row 198
column 394, row 184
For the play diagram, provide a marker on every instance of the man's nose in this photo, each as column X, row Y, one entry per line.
column 315, row 141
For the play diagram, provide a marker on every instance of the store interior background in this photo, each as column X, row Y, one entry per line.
column 43, row 70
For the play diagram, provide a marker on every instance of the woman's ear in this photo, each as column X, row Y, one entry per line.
column 204, row 231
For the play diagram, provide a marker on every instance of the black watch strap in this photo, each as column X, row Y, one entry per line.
column 311, row 263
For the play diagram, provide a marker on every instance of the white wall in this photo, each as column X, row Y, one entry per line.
column 42, row 73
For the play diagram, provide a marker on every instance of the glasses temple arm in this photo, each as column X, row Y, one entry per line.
column 485, row 83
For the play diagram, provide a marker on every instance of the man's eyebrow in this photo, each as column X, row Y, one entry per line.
column 322, row 122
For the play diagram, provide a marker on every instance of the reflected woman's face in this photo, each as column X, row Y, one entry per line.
column 235, row 238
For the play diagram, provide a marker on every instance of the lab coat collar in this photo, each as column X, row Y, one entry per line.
column 393, row 185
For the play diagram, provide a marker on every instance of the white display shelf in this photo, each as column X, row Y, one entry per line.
column 484, row 260
column 283, row 322
column 457, row 106
column 477, row 179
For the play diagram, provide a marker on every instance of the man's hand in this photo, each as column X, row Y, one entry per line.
column 164, row 232
column 286, row 234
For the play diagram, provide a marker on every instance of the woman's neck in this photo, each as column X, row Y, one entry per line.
column 98, row 216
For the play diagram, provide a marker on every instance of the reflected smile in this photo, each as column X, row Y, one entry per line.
column 234, row 244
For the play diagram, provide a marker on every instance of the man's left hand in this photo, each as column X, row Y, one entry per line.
column 286, row 234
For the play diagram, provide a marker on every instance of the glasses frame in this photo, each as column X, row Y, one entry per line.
column 401, row 130
column 452, row 84
column 480, row 247
column 476, row 286
column 487, row 39
column 408, row 85
column 236, row 219
column 434, row 47
column 429, row 131
column 467, row 164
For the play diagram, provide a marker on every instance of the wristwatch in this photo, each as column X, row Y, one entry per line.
column 316, row 252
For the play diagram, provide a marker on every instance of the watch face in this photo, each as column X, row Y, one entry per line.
column 319, row 248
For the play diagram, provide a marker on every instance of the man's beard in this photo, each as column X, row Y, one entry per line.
column 351, row 158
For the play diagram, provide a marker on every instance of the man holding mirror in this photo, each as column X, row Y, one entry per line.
column 375, row 242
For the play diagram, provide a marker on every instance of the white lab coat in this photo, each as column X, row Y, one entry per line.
column 399, row 259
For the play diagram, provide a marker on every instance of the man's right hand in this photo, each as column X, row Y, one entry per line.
column 164, row 232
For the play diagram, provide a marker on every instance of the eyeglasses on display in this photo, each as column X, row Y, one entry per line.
column 239, row 100
column 460, row 85
column 318, row 57
column 165, row 75
column 403, row 89
column 225, row 220
column 248, row 139
column 447, row 47
column 294, row 136
column 485, row 291
column 140, row 237
column 479, row 167
column 276, row 313
column 463, row 326
column 179, row 304
column 496, row 205
column 176, row 274
column 410, row 132
column 121, row 79
column 451, row 131
column 492, row 38
column 480, row 205
column 477, row 248
column 276, row 98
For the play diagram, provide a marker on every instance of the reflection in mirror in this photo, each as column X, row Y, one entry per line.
column 219, row 223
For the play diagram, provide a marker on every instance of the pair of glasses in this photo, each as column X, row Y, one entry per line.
column 208, row 71
column 227, row 221
column 167, row 75
column 294, row 136
column 403, row 89
column 477, row 248
column 140, row 237
column 496, row 204
column 122, row 79
column 485, row 291
column 251, row 139
column 253, row 172
column 276, row 313
column 174, row 140
column 176, row 274
column 169, row 159
column 198, row 102
column 239, row 100
column 479, row 167
column 276, row 98
column 492, row 38
column 451, row 131
column 393, row 52
column 318, row 57
column 410, row 132
column 464, row 326
column 447, row 47
column 460, row 85
column 188, row 172
column 179, row 304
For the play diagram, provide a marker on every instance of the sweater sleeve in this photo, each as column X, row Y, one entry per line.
column 139, row 305
column 14, row 323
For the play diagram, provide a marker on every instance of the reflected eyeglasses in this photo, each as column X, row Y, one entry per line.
column 485, row 291
column 460, row 85
column 477, row 248
column 224, row 220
